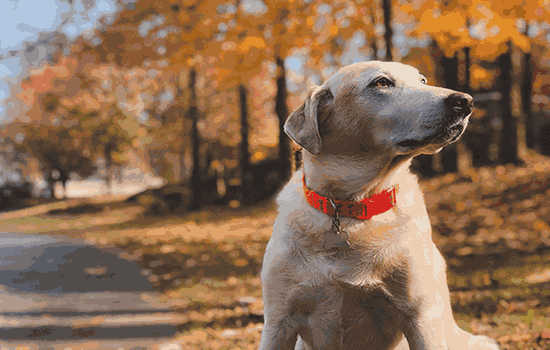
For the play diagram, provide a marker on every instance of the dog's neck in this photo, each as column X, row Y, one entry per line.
column 350, row 178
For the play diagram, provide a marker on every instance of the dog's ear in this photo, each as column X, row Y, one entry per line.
column 302, row 126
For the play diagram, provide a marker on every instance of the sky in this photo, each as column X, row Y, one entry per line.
column 22, row 20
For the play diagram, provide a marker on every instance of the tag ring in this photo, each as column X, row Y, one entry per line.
column 336, row 225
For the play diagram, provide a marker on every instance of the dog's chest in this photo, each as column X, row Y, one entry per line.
column 350, row 318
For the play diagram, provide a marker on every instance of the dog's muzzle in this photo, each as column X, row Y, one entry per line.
column 457, row 107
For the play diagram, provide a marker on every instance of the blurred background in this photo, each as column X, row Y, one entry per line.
column 155, row 127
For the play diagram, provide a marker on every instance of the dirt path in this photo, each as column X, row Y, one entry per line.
column 59, row 293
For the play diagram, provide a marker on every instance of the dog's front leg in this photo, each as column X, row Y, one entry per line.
column 423, row 332
column 433, row 325
column 280, row 327
column 425, row 302
column 278, row 336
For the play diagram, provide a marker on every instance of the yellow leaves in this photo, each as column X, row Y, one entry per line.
column 258, row 156
column 27, row 96
column 240, row 262
column 492, row 46
column 141, row 132
column 229, row 45
column 237, row 62
column 509, row 8
column 536, row 10
column 227, row 77
column 480, row 77
column 406, row 8
column 540, row 225
column 522, row 42
column 432, row 22
column 506, row 29
column 486, row 50
column 451, row 22
column 493, row 22
column 252, row 42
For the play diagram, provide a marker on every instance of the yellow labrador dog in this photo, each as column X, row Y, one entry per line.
column 351, row 263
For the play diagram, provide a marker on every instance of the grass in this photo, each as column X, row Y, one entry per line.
column 492, row 225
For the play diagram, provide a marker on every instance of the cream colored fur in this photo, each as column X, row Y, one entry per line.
column 388, row 288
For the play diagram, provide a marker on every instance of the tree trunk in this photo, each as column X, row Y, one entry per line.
column 193, row 114
column 244, row 147
column 479, row 135
column 544, row 137
column 467, row 63
column 526, row 92
column 467, row 70
column 373, row 38
column 281, row 110
column 51, row 188
column 182, row 165
column 181, row 108
column 508, row 150
column 374, row 48
column 388, row 33
column 51, row 184
column 423, row 164
column 108, row 154
column 449, row 155
column 64, row 185
column 478, row 141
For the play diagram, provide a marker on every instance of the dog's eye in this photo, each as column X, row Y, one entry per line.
column 382, row 82
column 423, row 80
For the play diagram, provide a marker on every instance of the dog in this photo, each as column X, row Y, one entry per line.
column 351, row 263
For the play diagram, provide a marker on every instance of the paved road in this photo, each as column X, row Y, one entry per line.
column 58, row 293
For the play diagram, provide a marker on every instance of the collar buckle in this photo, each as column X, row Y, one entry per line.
column 336, row 225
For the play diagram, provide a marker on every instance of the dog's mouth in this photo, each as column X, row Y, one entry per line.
column 451, row 134
column 444, row 136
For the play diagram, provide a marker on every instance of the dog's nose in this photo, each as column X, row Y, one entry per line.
column 459, row 104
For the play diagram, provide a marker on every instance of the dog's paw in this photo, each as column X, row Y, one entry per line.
column 481, row 342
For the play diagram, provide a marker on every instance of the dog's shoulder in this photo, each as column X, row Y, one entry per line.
column 295, row 216
column 289, row 194
column 281, row 245
column 297, row 223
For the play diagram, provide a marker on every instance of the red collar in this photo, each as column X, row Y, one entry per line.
column 364, row 209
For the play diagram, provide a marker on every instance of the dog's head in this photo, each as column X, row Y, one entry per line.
column 379, row 108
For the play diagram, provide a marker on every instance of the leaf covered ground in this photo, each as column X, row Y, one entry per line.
column 491, row 224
